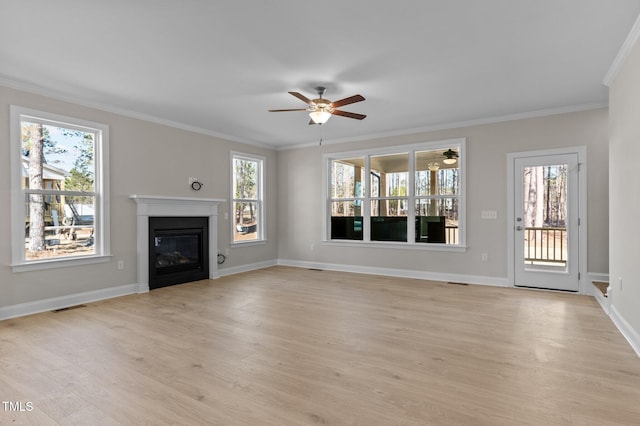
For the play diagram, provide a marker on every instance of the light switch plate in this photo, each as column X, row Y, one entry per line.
column 489, row 214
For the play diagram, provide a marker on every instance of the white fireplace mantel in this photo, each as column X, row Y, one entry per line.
column 153, row 206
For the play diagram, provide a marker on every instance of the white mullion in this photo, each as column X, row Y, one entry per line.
column 326, row 195
column 366, row 208
column 411, row 213
column 28, row 191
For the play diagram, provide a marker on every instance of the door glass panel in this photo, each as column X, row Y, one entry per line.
column 544, row 221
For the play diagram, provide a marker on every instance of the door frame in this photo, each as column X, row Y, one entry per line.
column 581, row 151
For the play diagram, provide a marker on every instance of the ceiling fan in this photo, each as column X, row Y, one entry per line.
column 321, row 109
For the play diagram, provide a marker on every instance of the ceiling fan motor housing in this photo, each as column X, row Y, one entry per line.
column 323, row 104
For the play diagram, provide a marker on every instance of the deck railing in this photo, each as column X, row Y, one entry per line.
column 451, row 234
column 545, row 244
column 540, row 244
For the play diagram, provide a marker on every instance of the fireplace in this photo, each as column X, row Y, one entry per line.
column 178, row 250
column 151, row 206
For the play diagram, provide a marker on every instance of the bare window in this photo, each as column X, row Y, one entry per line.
column 413, row 194
column 247, row 206
column 59, row 174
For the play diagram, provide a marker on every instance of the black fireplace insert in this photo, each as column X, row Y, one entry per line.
column 178, row 250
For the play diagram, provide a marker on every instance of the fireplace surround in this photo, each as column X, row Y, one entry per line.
column 160, row 206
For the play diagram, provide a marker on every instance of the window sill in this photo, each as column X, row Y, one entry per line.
column 248, row 243
column 59, row 263
column 396, row 245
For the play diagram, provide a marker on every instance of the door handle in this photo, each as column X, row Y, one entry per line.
column 519, row 227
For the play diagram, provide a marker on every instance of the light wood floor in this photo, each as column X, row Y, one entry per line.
column 286, row 346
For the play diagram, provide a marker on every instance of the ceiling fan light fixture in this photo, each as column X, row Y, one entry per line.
column 319, row 116
column 451, row 157
column 321, row 109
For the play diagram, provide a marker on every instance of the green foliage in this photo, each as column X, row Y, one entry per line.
column 246, row 187
column 79, row 181
column 85, row 160
column 246, row 175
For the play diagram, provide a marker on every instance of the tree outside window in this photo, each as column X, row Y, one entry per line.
column 247, row 207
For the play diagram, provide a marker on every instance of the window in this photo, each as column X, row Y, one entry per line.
column 411, row 195
column 347, row 189
column 388, row 198
column 59, row 213
column 247, row 208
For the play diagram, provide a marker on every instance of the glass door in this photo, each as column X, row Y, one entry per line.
column 546, row 222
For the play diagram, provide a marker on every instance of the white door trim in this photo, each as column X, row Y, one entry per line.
column 581, row 151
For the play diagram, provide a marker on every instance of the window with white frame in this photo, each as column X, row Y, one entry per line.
column 59, row 209
column 247, row 207
column 412, row 195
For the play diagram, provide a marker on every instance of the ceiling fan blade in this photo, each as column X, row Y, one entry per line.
column 302, row 97
column 346, row 101
column 285, row 110
column 348, row 114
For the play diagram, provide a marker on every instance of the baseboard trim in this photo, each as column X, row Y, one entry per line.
column 605, row 302
column 246, row 268
column 400, row 273
column 45, row 305
column 625, row 328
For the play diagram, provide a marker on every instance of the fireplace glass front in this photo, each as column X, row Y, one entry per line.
column 178, row 251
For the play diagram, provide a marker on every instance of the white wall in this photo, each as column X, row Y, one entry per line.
column 301, row 204
column 624, row 193
column 145, row 158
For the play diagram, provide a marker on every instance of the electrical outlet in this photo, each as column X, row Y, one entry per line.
column 484, row 257
column 192, row 179
column 120, row 265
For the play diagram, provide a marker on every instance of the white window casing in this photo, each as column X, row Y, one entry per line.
column 407, row 154
column 254, row 233
column 100, row 193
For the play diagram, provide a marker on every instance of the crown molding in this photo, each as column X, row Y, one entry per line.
column 458, row 124
column 623, row 53
column 43, row 91
column 54, row 94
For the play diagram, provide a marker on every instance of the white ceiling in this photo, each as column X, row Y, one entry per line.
column 218, row 66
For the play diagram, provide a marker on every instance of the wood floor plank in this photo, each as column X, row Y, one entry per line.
column 289, row 346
